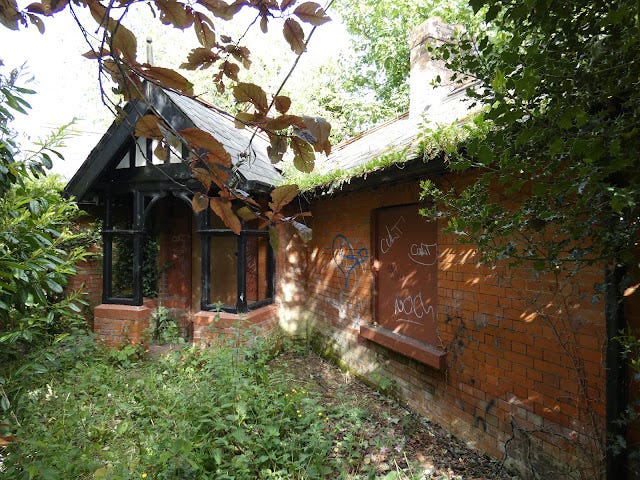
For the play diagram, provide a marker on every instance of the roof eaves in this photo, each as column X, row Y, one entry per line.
column 390, row 174
column 113, row 139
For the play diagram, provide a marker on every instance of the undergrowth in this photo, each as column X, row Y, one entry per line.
column 78, row 411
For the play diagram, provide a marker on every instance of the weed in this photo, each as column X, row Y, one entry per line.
column 162, row 328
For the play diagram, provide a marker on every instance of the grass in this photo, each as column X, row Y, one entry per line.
column 81, row 412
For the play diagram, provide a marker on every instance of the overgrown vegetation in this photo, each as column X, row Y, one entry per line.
column 80, row 412
column 372, row 85
column 39, row 244
column 163, row 328
column 123, row 266
column 334, row 179
column 556, row 183
column 562, row 144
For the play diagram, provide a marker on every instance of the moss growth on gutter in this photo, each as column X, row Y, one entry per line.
column 336, row 178
column 429, row 143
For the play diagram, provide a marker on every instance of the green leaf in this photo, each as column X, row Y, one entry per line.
column 477, row 5
column 485, row 154
column 274, row 238
column 557, row 146
column 499, row 82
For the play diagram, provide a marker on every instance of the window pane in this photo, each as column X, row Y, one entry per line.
column 122, row 267
column 154, row 158
column 223, row 273
column 150, row 273
column 257, row 275
column 122, row 212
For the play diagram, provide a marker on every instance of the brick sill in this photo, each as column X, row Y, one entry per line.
column 407, row 346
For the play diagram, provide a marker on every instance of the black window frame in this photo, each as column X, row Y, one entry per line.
column 241, row 250
column 109, row 233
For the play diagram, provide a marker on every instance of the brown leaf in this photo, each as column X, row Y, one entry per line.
column 9, row 14
column 199, row 202
column 37, row 21
column 99, row 13
column 230, row 70
column 264, row 24
column 282, row 103
column 204, row 27
column 121, row 38
column 9, row 439
column 161, row 152
column 239, row 53
column 320, row 129
column 303, row 158
column 53, row 6
column 312, row 13
column 282, row 122
column 147, row 127
column 294, row 35
column 243, row 119
column 246, row 214
column 217, row 81
column 174, row 13
column 252, row 93
column 169, row 78
column 200, row 58
column 36, row 7
column 223, row 208
column 222, row 9
column 281, row 196
column 286, row 4
column 220, row 174
column 199, row 139
column 93, row 54
column 277, row 149
column 204, row 176
column 129, row 86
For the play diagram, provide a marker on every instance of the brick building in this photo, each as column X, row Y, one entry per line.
column 514, row 362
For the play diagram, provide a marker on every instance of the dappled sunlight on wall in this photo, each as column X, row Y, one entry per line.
column 524, row 361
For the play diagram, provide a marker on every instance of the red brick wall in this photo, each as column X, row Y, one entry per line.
column 89, row 275
column 118, row 324
column 209, row 328
column 524, row 377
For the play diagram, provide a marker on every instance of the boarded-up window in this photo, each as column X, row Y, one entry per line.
column 406, row 273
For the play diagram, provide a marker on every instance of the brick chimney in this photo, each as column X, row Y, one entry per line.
column 424, row 69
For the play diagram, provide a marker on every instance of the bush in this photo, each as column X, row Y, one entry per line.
column 38, row 245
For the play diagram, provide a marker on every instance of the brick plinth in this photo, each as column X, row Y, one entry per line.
column 118, row 324
column 208, row 327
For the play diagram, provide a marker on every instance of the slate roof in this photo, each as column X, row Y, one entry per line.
column 256, row 167
column 398, row 134
column 251, row 160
